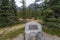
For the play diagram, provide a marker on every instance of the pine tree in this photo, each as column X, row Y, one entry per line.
column 55, row 6
column 52, row 10
column 7, row 16
column 13, row 6
column 23, row 9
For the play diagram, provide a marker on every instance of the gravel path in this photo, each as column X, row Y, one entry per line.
column 19, row 37
column 44, row 37
column 49, row 37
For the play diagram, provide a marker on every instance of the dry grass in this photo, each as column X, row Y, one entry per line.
column 10, row 32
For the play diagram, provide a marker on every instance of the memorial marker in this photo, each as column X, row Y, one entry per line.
column 33, row 31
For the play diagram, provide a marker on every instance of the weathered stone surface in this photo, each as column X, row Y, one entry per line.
column 33, row 31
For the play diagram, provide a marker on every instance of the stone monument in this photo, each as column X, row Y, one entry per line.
column 33, row 31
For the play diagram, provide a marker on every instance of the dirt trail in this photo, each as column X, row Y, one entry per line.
column 8, row 29
column 21, row 36
column 44, row 37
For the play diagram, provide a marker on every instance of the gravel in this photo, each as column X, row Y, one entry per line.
column 44, row 37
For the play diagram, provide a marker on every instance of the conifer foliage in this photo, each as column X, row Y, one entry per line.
column 52, row 13
column 7, row 15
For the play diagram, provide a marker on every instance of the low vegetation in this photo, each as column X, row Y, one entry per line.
column 52, row 31
column 12, row 34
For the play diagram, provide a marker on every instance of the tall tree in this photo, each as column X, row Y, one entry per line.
column 55, row 6
column 13, row 6
column 23, row 8
column 52, row 13
column 34, row 14
column 7, row 16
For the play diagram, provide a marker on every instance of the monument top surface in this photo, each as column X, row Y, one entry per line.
column 33, row 27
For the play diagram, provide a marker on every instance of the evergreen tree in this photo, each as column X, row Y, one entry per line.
column 7, row 17
column 34, row 14
column 13, row 6
column 23, row 9
column 52, row 13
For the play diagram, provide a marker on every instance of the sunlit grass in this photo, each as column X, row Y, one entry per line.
column 11, row 34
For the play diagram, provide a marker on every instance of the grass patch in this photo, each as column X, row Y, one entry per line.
column 11, row 34
column 50, row 30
